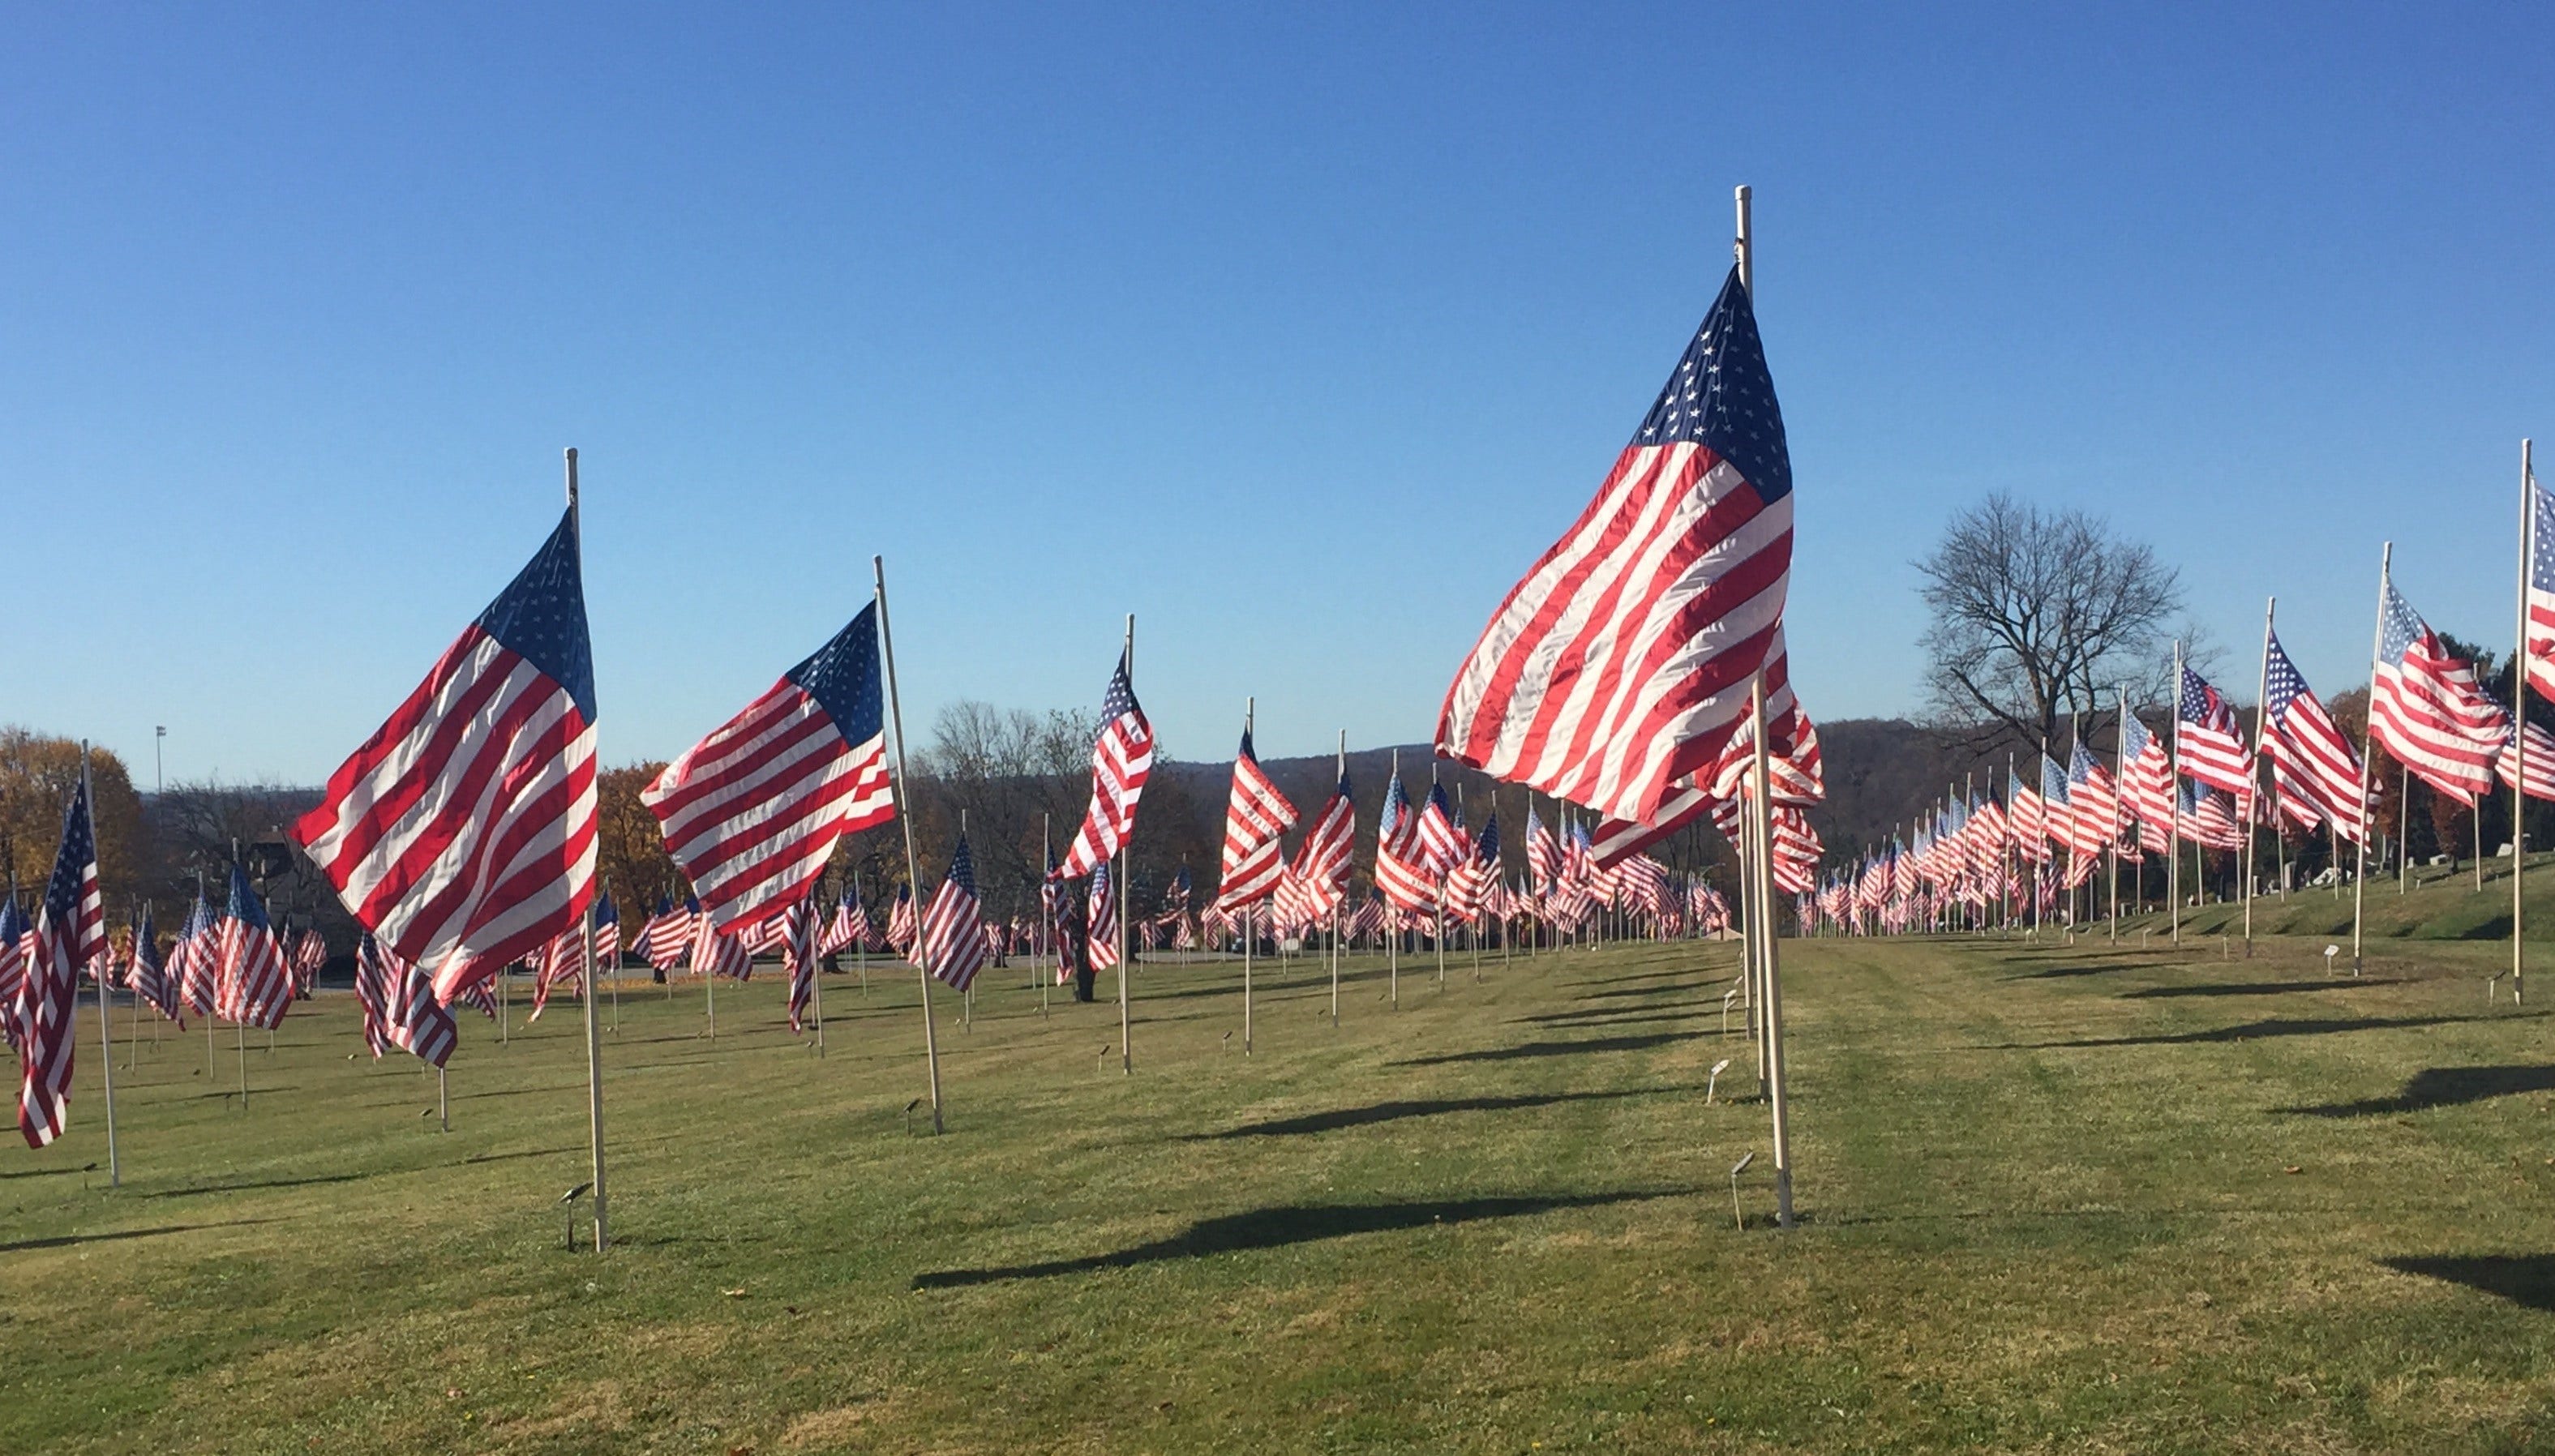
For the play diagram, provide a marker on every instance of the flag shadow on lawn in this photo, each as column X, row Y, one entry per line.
column 241, row 1187
column 2442, row 1087
column 1282, row 1225
column 1615, row 1016
column 2523, row 1278
column 65, row 1241
column 1389, row 1111
column 2257, row 988
column 1529, row 1049
column 2251, row 1030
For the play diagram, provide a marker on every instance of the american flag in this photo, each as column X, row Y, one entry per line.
column 2211, row 745
column 1255, row 818
column 1468, row 888
column 799, row 956
column 2210, row 819
column 420, row 1023
column 2058, row 818
column 1322, row 861
column 2146, row 782
column 718, row 952
column 900, row 928
column 1624, row 658
column 2542, row 589
column 196, row 958
column 477, row 997
column 752, row 812
column 69, row 932
column 462, row 832
column 2426, row 708
column 1370, row 917
column 954, row 932
column 843, row 928
column 373, row 995
column 2093, row 803
column 1442, row 837
column 1121, row 760
column 250, row 983
column 16, row 932
column 309, row 955
column 148, row 976
column 1795, row 767
column 1099, row 949
column 1542, row 852
column 2540, row 765
column 2029, row 817
column 662, row 940
column 1402, row 868
column 561, row 964
column 2328, row 768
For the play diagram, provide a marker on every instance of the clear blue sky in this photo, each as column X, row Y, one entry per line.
column 1297, row 334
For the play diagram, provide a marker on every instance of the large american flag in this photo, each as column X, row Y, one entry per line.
column 1622, row 659
column 1255, row 818
column 2541, row 766
column 2210, row 746
column 69, row 932
column 2426, row 708
column 461, row 834
column 953, row 931
column 2058, row 819
column 2327, row 766
column 1441, row 832
column 1121, row 760
column 752, row 812
column 1322, row 860
column 250, row 983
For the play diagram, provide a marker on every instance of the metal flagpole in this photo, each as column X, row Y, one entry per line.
column 2404, row 830
column 904, row 815
column 1440, row 896
column 1047, row 916
column 2368, row 740
column 593, row 1032
column 105, row 977
column 1775, row 1088
column 2254, row 771
column 2120, row 781
column 2519, row 713
column 2173, row 807
column 1126, row 1019
column 1341, row 895
column 1250, row 706
column 1391, row 911
column 816, row 967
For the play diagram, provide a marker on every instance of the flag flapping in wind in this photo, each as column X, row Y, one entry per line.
column 69, row 932
column 2210, row 746
column 1402, row 869
column 752, row 812
column 373, row 995
column 1622, row 659
column 2540, row 765
column 1322, row 860
column 461, row 834
column 2426, row 708
column 250, row 983
column 1255, row 818
column 1122, row 758
column 2146, row 783
column 196, row 960
column 418, row 1023
column 2326, row 767
column 17, row 934
column 1793, row 763
column 2540, row 646
column 798, row 952
column 148, row 975
column 1100, row 940
column 954, row 930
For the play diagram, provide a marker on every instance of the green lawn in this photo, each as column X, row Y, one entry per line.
column 2055, row 1199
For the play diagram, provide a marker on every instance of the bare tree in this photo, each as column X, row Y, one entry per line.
column 2037, row 614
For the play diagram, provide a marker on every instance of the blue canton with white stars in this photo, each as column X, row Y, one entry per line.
column 1720, row 396
column 2282, row 683
column 843, row 678
column 2399, row 626
column 541, row 616
column 2542, row 555
column 2053, row 783
column 962, row 867
column 245, row 906
column 64, row 893
column 1119, row 699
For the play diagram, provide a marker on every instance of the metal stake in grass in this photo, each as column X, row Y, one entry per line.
column 1736, row 1169
column 1713, row 1081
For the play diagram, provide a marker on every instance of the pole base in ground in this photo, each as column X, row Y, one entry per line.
column 1782, row 1197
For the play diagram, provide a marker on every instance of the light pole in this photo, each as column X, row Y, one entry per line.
column 158, row 736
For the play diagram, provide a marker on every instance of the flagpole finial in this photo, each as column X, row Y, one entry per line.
column 571, row 477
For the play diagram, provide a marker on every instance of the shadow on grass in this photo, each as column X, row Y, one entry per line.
column 1528, row 1050
column 1392, row 1112
column 2253, row 1031
column 1598, row 1017
column 65, row 1241
column 2257, row 988
column 1628, row 991
column 2085, row 968
column 1284, row 1225
column 313, row 1180
column 2523, row 1278
column 2443, row 1087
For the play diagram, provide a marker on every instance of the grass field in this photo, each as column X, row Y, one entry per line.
column 2055, row 1199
